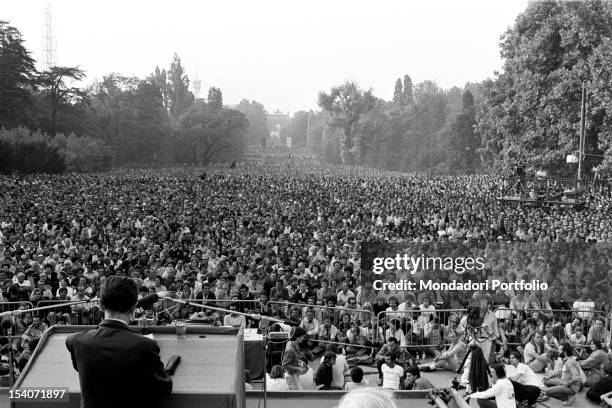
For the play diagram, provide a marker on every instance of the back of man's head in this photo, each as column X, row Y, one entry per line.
column 356, row 375
column 119, row 294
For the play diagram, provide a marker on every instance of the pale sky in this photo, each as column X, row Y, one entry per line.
column 280, row 53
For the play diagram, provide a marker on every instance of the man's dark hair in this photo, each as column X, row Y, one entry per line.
column 356, row 374
column 500, row 372
column 119, row 294
column 329, row 355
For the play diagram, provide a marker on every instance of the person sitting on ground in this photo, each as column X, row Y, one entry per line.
column 391, row 347
column 26, row 354
column 325, row 374
column 449, row 359
column 603, row 386
column 339, row 367
column 276, row 380
column 521, row 372
column 594, row 362
column 414, row 381
column 527, row 385
column 392, row 373
column 233, row 319
column 571, row 381
column 357, row 379
column 535, row 352
column 502, row 390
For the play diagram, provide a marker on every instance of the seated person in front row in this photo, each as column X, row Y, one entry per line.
column 414, row 381
column 449, row 359
column 357, row 380
column 391, row 347
column 325, row 374
column 603, row 386
column 536, row 352
column 502, row 390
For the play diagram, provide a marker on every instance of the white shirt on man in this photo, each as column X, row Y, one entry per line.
column 392, row 376
column 502, row 391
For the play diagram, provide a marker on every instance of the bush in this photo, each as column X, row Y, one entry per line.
column 24, row 151
column 85, row 154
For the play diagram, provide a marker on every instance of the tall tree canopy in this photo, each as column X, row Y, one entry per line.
column 257, row 129
column 180, row 97
column 17, row 78
column 346, row 104
column 531, row 110
column 57, row 93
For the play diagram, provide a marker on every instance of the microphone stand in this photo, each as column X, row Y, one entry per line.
column 38, row 309
column 251, row 315
column 18, row 312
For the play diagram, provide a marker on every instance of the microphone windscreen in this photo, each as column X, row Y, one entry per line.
column 147, row 301
column 7, row 322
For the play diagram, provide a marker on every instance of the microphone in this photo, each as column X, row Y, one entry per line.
column 147, row 301
column 7, row 322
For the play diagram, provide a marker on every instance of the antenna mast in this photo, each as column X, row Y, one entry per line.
column 48, row 41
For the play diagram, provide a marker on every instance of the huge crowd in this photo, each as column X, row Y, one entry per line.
column 285, row 240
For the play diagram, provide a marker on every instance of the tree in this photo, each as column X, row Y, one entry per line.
column 160, row 80
column 257, row 129
column 215, row 98
column 297, row 128
column 17, row 78
column 398, row 96
column 408, row 91
column 58, row 94
column 463, row 143
column 531, row 111
column 212, row 134
column 429, row 117
column 346, row 104
column 179, row 96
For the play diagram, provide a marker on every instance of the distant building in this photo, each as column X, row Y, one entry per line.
column 276, row 122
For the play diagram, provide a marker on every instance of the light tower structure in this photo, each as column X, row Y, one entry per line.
column 197, row 85
column 48, row 48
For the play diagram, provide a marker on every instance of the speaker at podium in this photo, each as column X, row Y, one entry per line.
column 210, row 374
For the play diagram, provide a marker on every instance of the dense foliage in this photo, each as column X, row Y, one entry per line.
column 118, row 120
column 532, row 109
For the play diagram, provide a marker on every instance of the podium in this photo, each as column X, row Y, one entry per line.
column 211, row 372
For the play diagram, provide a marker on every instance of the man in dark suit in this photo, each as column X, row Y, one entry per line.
column 118, row 368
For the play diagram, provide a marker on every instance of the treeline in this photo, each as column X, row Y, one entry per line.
column 527, row 114
column 423, row 127
column 129, row 121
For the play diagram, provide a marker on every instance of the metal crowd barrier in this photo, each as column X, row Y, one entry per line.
column 84, row 314
column 21, row 321
column 334, row 312
column 184, row 311
column 419, row 322
column 564, row 316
